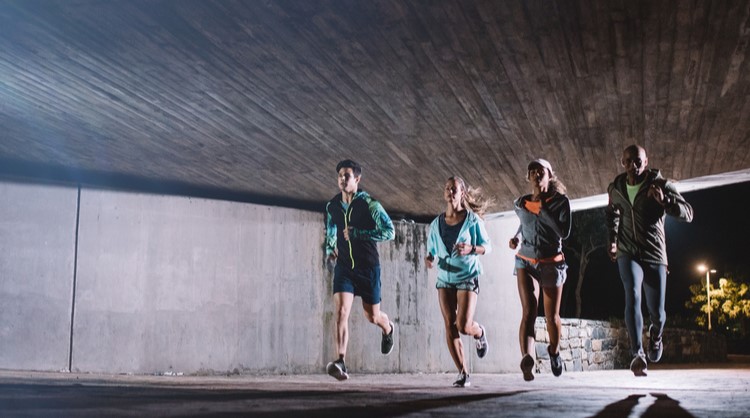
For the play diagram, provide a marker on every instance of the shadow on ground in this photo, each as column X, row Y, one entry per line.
column 663, row 406
column 82, row 399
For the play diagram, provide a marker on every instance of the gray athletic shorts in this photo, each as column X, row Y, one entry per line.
column 468, row 284
column 548, row 274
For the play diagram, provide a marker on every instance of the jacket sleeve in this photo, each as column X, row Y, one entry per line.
column 330, row 239
column 519, row 232
column 612, row 214
column 482, row 237
column 679, row 208
column 431, row 240
column 383, row 231
column 560, row 221
column 565, row 221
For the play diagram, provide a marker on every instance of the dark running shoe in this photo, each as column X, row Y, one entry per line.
column 555, row 362
column 482, row 344
column 462, row 381
column 337, row 369
column 655, row 346
column 386, row 344
column 527, row 366
column 639, row 366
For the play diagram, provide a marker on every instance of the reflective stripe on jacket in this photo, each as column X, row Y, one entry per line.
column 369, row 222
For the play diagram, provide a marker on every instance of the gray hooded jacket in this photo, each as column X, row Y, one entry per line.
column 638, row 228
column 542, row 235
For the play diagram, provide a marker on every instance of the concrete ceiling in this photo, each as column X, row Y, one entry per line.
column 258, row 100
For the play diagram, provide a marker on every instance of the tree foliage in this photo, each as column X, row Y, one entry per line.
column 729, row 306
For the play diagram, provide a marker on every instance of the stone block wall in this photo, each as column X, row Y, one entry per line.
column 603, row 345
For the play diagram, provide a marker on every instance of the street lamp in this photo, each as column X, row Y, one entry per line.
column 708, row 271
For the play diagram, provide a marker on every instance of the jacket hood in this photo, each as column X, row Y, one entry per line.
column 471, row 218
column 361, row 194
column 519, row 202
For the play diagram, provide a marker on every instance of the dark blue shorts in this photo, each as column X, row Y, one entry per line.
column 363, row 282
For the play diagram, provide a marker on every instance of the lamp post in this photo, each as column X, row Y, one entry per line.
column 708, row 271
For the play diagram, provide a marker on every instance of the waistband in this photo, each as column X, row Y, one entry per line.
column 547, row 260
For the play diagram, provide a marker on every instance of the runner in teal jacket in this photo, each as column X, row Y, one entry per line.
column 456, row 238
column 455, row 269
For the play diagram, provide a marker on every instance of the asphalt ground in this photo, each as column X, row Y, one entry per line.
column 709, row 390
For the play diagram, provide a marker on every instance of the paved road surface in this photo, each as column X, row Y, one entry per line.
column 712, row 391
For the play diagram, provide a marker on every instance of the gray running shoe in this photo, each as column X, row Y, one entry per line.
column 527, row 366
column 386, row 344
column 462, row 381
column 555, row 362
column 337, row 369
column 639, row 366
column 655, row 346
column 482, row 345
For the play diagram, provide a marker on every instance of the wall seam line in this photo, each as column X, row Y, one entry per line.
column 75, row 277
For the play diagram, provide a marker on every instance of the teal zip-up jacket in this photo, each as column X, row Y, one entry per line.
column 370, row 224
column 453, row 268
column 638, row 228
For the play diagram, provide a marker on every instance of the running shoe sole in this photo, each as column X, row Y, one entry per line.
column 527, row 366
column 336, row 372
column 462, row 382
column 639, row 366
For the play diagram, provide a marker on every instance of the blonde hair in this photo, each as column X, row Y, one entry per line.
column 473, row 198
column 556, row 185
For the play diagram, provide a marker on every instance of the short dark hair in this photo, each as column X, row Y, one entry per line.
column 635, row 149
column 356, row 168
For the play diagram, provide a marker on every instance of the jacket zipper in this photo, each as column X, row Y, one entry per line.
column 450, row 251
column 347, row 218
column 635, row 233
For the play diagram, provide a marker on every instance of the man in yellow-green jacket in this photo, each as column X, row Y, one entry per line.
column 354, row 223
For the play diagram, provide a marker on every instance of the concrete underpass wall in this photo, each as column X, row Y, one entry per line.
column 37, row 250
column 499, row 304
column 185, row 285
column 179, row 284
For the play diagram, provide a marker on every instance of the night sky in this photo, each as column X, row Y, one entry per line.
column 718, row 236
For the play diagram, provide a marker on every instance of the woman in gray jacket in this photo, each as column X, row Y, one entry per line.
column 545, row 222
